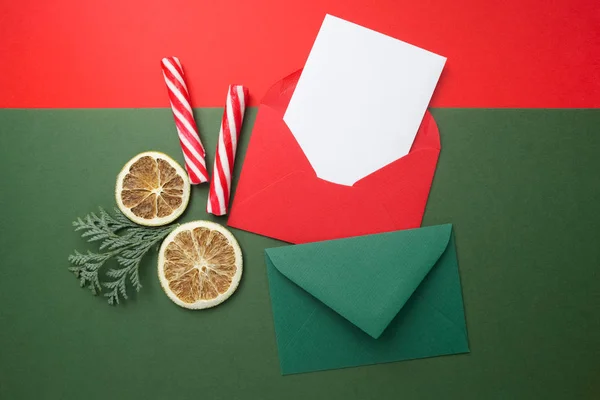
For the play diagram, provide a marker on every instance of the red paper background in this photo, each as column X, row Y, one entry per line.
column 75, row 53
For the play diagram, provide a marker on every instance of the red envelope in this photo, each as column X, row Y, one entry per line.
column 280, row 196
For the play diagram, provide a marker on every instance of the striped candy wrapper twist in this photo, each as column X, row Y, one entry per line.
column 231, row 125
column 193, row 151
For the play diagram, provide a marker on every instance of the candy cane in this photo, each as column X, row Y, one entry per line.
column 231, row 125
column 193, row 151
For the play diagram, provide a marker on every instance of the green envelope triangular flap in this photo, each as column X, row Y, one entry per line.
column 365, row 279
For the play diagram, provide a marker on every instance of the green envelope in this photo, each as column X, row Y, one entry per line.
column 367, row 300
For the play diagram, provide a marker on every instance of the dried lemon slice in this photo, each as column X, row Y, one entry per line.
column 199, row 265
column 152, row 189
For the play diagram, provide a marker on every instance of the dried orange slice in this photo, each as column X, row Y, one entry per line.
column 152, row 189
column 199, row 265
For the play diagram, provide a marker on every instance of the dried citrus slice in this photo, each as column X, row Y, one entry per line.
column 199, row 265
column 152, row 189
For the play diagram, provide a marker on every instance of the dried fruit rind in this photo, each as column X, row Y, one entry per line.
column 199, row 265
column 152, row 189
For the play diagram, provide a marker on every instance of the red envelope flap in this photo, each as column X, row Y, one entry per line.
column 279, row 95
column 428, row 135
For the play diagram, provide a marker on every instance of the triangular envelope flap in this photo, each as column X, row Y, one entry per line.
column 365, row 279
column 279, row 95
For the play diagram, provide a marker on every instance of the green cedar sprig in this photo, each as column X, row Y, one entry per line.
column 120, row 239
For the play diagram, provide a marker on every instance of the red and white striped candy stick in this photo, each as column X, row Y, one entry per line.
column 193, row 151
column 231, row 125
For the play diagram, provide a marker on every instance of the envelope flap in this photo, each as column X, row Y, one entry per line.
column 278, row 96
column 365, row 279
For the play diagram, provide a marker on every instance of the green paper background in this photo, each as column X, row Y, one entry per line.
column 521, row 187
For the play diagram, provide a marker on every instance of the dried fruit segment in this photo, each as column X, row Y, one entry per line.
column 200, row 265
column 152, row 189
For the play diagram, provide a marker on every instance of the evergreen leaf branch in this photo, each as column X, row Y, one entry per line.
column 120, row 239
column 130, row 258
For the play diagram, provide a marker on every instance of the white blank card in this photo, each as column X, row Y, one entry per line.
column 360, row 100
